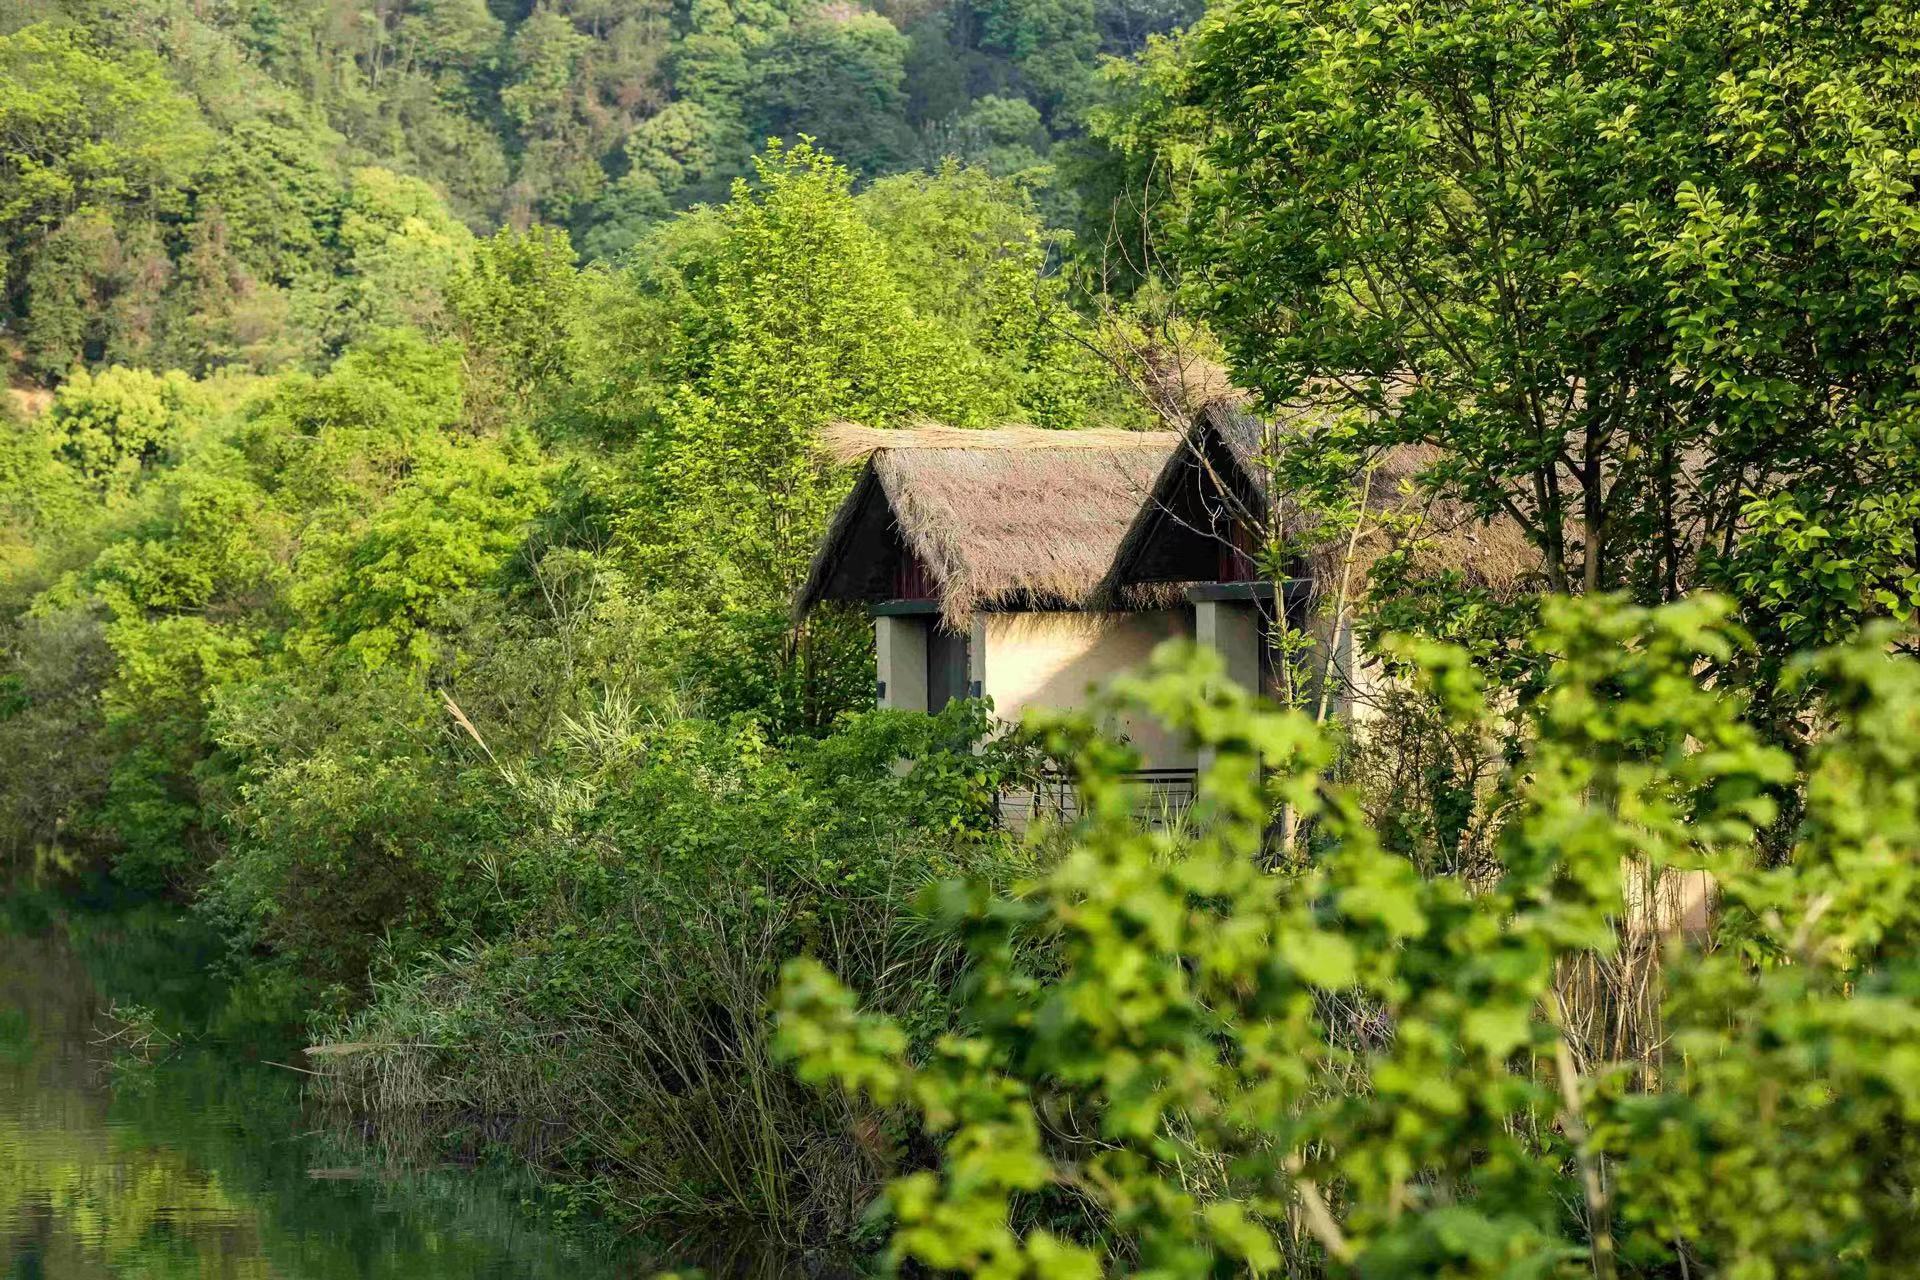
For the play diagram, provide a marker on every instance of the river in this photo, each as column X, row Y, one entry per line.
column 206, row 1163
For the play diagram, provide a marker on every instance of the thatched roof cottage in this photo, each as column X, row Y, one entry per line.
column 978, row 554
column 1027, row 565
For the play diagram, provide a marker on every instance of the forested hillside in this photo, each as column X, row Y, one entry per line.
column 413, row 447
column 251, row 185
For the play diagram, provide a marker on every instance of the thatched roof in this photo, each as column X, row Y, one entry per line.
column 1017, row 517
column 1230, row 447
column 851, row 442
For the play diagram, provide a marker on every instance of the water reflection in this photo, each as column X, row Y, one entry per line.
column 206, row 1166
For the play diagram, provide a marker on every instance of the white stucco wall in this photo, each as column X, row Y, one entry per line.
column 1354, row 687
column 900, row 662
column 1235, row 630
column 1052, row 659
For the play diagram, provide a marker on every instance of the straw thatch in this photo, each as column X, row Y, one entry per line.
column 1229, row 445
column 850, row 442
column 1017, row 517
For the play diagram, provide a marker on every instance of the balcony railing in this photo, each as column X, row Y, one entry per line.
column 1162, row 797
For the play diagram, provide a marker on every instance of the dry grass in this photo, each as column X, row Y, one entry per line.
column 1016, row 516
column 28, row 403
column 655, row 1078
column 850, row 442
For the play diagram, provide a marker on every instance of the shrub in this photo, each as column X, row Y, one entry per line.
column 111, row 426
column 623, row 1007
column 53, row 769
column 1176, row 1063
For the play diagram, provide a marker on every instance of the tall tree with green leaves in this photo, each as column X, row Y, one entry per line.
column 1643, row 271
column 95, row 144
column 796, row 319
column 516, row 306
column 81, row 126
column 798, row 304
column 839, row 80
column 1052, row 42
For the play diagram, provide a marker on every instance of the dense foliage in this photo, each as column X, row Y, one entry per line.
column 220, row 579
column 454, row 680
column 1178, row 1062
column 257, row 184
column 1643, row 271
column 410, row 454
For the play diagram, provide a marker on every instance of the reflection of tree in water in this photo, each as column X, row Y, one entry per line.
column 203, row 1166
column 81, row 1192
column 140, row 1212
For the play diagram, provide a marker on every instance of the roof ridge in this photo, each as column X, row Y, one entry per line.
column 851, row 442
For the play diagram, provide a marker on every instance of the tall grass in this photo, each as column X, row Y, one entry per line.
column 624, row 1044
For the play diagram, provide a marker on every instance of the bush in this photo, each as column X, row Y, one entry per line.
column 1176, row 1063
column 112, row 426
column 354, row 829
column 53, row 768
column 623, row 1007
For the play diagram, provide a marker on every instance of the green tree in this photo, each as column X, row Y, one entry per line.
column 459, row 39
column 838, row 81
column 709, row 63
column 546, row 100
column 80, row 125
column 1624, row 264
column 377, row 592
column 217, row 313
column 68, row 286
column 516, row 307
column 112, row 426
column 970, row 249
column 686, row 144
column 1002, row 135
column 1179, row 1062
column 54, row 761
column 1053, row 42
column 182, row 596
column 41, row 498
column 399, row 245
column 335, row 517
column 276, row 191
column 799, row 320
column 787, row 315
column 346, row 440
column 93, row 144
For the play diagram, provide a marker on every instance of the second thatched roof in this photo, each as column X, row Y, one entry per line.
column 1231, row 447
column 1013, row 518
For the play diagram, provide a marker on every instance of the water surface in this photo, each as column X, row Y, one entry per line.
column 206, row 1164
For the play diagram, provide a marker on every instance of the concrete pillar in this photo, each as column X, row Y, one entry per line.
column 900, row 661
column 977, row 659
column 1232, row 629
